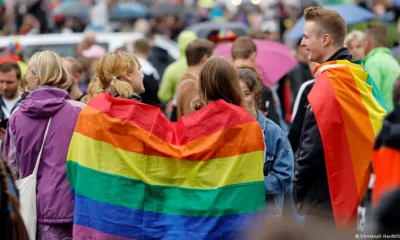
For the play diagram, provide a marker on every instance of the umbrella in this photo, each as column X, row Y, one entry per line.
column 205, row 29
column 273, row 59
column 129, row 10
column 72, row 9
column 166, row 8
column 352, row 14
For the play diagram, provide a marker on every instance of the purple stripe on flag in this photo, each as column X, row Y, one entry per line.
column 81, row 232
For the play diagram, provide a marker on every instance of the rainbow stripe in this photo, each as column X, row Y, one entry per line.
column 138, row 176
column 349, row 111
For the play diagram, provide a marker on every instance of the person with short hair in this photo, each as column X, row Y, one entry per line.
column 10, row 97
column 337, row 136
column 10, row 79
column 379, row 62
column 244, row 54
column 354, row 41
column 197, row 53
column 141, row 49
column 47, row 105
column 75, row 70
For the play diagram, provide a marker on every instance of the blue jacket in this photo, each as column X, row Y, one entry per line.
column 278, row 166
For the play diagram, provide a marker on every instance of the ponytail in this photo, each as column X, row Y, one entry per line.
column 122, row 88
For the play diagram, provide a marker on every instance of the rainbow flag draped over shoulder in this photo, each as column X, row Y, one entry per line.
column 136, row 175
column 349, row 111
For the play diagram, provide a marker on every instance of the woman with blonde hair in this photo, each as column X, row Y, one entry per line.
column 37, row 140
column 136, row 175
column 354, row 41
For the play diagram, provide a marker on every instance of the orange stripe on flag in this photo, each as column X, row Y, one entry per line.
column 130, row 137
column 358, row 126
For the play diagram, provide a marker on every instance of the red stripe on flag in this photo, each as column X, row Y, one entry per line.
column 339, row 165
column 215, row 117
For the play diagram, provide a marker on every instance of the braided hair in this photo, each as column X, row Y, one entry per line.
column 10, row 218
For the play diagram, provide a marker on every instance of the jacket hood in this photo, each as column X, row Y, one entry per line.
column 44, row 102
column 184, row 39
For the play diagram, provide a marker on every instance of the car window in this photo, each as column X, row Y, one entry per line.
column 63, row 49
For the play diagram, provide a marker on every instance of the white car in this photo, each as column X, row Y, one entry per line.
column 65, row 43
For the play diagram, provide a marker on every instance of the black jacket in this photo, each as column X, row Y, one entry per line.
column 299, row 112
column 299, row 75
column 310, row 184
column 2, row 114
column 160, row 59
column 151, row 89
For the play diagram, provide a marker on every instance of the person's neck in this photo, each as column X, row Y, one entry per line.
column 242, row 63
column 195, row 70
column 75, row 92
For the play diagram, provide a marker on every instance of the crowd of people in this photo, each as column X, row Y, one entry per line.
column 125, row 145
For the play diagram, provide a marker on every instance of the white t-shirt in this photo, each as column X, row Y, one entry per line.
column 9, row 105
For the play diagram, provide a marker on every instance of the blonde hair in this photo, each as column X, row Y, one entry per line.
column 353, row 35
column 110, row 73
column 49, row 69
column 218, row 80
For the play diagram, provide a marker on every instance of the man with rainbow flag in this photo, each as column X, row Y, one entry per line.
column 344, row 114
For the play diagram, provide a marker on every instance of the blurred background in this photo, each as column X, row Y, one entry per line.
column 275, row 18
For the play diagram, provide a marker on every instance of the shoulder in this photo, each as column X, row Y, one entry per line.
column 172, row 67
column 306, row 86
column 75, row 105
column 273, row 129
column 374, row 61
column 268, row 126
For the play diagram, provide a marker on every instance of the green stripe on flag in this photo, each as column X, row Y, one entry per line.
column 135, row 194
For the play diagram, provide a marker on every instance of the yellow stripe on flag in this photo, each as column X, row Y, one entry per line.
column 156, row 170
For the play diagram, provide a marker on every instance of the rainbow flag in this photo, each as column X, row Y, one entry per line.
column 349, row 111
column 136, row 175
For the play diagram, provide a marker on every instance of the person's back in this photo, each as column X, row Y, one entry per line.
column 176, row 70
column 379, row 62
column 24, row 138
column 197, row 54
column 163, row 181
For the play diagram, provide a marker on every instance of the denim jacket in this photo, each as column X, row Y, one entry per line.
column 278, row 166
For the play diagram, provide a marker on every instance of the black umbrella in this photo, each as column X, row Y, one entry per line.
column 163, row 9
column 205, row 29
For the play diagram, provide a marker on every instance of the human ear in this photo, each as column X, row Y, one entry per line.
column 326, row 40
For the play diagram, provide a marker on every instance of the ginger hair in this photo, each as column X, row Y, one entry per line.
column 110, row 74
column 329, row 22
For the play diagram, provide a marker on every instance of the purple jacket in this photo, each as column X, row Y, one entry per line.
column 22, row 144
